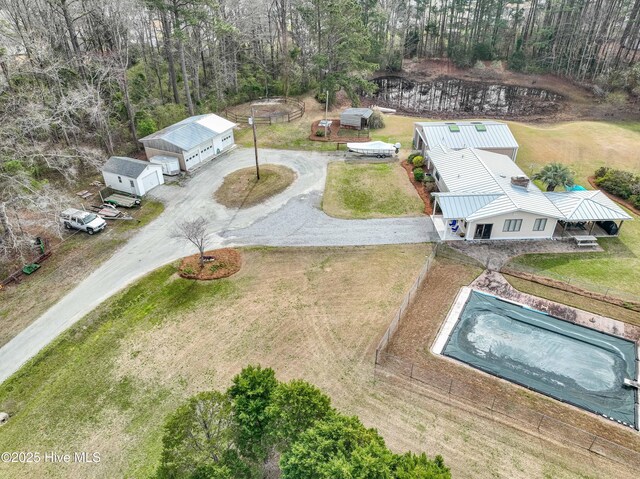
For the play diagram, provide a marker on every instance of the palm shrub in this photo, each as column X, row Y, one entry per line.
column 554, row 175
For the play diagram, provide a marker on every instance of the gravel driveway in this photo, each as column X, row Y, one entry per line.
column 291, row 218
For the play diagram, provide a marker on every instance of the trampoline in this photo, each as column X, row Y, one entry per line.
column 569, row 362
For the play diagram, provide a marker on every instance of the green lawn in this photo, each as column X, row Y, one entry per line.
column 584, row 146
column 369, row 191
column 617, row 268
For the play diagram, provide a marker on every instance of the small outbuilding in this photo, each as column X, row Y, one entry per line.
column 357, row 118
column 486, row 135
column 192, row 141
column 132, row 176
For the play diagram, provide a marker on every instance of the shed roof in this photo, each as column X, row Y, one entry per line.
column 468, row 134
column 587, row 205
column 363, row 112
column 192, row 131
column 479, row 184
column 124, row 166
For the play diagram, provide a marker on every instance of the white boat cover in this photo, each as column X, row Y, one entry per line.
column 374, row 148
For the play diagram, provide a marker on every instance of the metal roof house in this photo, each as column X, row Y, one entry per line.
column 131, row 176
column 357, row 118
column 193, row 141
column 484, row 195
column 483, row 135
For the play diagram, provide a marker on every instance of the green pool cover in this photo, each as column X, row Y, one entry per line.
column 572, row 363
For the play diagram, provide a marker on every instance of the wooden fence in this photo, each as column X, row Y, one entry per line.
column 271, row 118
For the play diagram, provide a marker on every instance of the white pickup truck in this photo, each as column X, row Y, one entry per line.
column 82, row 220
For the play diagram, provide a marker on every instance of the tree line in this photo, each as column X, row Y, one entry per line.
column 261, row 427
column 83, row 79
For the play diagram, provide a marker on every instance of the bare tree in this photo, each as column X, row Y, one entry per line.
column 195, row 232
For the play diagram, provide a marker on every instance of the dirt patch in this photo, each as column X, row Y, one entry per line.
column 218, row 263
column 425, row 196
column 241, row 189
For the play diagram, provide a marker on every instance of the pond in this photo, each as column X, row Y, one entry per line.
column 454, row 95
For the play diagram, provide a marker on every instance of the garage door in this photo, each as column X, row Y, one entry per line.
column 150, row 181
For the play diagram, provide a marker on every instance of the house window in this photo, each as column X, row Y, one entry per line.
column 131, row 183
column 512, row 225
column 540, row 224
column 119, row 179
column 437, row 176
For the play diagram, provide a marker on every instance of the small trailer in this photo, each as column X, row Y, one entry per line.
column 122, row 200
column 379, row 149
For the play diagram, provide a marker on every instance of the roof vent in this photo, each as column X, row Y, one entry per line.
column 521, row 181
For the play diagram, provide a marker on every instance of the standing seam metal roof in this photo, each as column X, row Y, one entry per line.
column 192, row 131
column 363, row 112
column 472, row 172
column 497, row 135
column 587, row 205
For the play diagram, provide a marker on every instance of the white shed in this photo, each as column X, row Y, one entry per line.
column 131, row 176
column 192, row 141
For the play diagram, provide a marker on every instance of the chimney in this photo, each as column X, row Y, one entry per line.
column 521, row 181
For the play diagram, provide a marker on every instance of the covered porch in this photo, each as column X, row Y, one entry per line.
column 599, row 229
column 588, row 213
column 449, row 229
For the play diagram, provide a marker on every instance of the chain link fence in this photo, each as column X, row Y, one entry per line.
column 578, row 286
column 438, row 384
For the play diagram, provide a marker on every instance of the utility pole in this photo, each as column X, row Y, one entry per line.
column 326, row 111
column 255, row 141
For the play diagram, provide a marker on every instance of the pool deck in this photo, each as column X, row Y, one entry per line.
column 494, row 283
column 452, row 318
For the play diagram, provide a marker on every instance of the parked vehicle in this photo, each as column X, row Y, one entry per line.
column 610, row 227
column 82, row 220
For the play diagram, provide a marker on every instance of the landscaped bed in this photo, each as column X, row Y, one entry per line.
column 218, row 263
column 242, row 189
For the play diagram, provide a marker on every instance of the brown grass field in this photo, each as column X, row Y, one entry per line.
column 316, row 314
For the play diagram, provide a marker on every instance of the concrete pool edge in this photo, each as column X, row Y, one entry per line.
column 453, row 317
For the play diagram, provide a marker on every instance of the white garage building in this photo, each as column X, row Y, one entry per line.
column 484, row 135
column 132, row 176
column 193, row 141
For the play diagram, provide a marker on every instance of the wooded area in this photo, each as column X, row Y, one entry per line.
column 82, row 79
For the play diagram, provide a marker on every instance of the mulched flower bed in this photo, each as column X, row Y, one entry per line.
column 334, row 133
column 219, row 263
column 420, row 188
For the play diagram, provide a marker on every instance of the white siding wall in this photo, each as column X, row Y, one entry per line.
column 123, row 183
column 526, row 230
column 120, row 183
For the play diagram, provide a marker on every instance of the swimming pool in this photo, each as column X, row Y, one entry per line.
column 569, row 362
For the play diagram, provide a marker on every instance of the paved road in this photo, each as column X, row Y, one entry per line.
column 288, row 219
